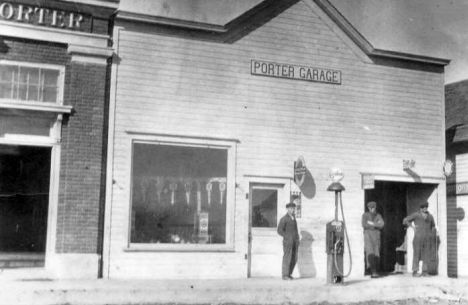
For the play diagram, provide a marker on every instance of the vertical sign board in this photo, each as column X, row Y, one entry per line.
column 296, row 198
column 368, row 181
column 203, row 236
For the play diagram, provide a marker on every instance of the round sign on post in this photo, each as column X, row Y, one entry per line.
column 300, row 171
column 448, row 168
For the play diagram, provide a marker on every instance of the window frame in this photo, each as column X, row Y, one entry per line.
column 60, row 82
column 184, row 141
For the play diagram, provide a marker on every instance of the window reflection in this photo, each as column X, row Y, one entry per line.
column 264, row 208
column 29, row 83
column 178, row 194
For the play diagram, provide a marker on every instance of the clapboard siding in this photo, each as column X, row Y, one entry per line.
column 461, row 174
column 461, row 169
column 462, row 236
column 378, row 116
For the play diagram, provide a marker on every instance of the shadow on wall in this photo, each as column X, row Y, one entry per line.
column 308, row 187
column 305, row 261
column 459, row 214
column 413, row 175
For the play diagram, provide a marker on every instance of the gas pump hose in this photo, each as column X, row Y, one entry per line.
column 347, row 242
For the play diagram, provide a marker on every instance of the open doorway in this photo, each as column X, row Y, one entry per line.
column 396, row 200
column 24, row 203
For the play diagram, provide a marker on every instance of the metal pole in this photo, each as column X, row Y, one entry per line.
column 336, row 205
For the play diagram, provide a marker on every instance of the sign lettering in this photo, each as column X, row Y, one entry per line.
column 41, row 16
column 368, row 181
column 456, row 189
column 311, row 74
column 300, row 171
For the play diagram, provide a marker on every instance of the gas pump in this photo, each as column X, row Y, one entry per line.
column 336, row 235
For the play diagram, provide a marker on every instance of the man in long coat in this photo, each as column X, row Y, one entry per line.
column 372, row 222
column 287, row 228
column 423, row 243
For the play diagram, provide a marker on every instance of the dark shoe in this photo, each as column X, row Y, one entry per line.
column 415, row 274
column 424, row 274
column 287, row 278
column 291, row 277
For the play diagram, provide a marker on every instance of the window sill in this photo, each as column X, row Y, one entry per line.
column 35, row 106
column 177, row 248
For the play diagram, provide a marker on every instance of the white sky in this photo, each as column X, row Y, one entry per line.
column 435, row 28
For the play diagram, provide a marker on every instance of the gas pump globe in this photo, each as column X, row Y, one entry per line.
column 335, row 233
column 336, row 175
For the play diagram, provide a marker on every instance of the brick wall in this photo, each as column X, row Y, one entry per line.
column 81, row 194
column 81, row 185
column 33, row 52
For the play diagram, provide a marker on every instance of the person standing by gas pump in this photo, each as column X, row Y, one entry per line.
column 424, row 230
column 287, row 228
column 372, row 222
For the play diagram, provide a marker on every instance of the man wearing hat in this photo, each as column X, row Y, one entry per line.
column 372, row 222
column 287, row 228
column 424, row 229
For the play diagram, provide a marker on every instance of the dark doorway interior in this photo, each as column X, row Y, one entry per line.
column 391, row 200
column 396, row 200
column 24, row 201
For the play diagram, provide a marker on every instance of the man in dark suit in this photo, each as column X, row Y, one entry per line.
column 287, row 228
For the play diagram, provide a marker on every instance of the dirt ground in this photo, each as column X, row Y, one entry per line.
column 420, row 301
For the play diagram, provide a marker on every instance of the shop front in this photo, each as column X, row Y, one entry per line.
column 53, row 72
column 216, row 124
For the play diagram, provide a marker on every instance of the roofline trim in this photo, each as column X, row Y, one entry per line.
column 195, row 25
column 324, row 5
column 366, row 46
column 121, row 15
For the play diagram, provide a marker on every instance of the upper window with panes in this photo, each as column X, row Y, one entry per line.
column 28, row 82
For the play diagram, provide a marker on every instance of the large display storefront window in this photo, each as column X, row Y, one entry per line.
column 179, row 194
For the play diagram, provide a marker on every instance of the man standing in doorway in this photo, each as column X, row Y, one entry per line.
column 423, row 244
column 372, row 222
column 287, row 228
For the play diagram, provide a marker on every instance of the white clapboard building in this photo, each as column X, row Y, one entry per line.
column 209, row 113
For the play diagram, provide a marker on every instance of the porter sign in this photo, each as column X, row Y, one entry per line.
column 311, row 74
column 11, row 11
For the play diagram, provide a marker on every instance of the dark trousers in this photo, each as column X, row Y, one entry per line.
column 290, row 249
column 372, row 249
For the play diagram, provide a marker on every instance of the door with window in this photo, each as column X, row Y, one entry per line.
column 265, row 245
column 31, row 112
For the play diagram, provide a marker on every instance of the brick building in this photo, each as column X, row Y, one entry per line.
column 54, row 77
column 456, row 118
column 208, row 116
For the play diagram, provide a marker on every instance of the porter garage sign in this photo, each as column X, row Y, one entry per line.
column 311, row 74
